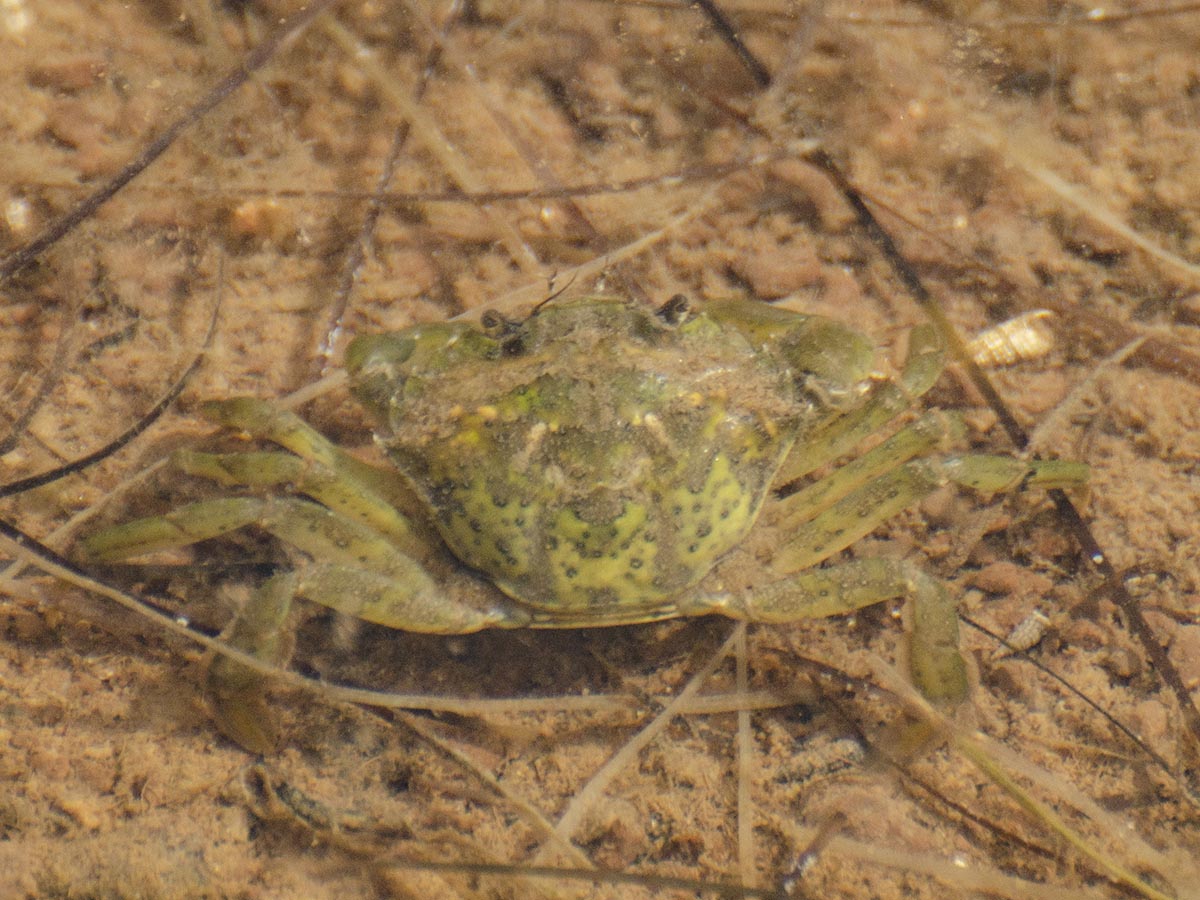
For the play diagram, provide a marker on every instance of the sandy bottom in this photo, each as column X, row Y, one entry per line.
column 1039, row 161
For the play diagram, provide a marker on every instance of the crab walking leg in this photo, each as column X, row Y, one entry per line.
column 987, row 474
column 932, row 431
column 863, row 509
column 414, row 601
column 884, row 401
column 983, row 473
column 319, row 532
column 337, row 490
column 856, row 515
column 237, row 692
column 366, row 577
column 186, row 525
column 262, row 419
column 938, row 669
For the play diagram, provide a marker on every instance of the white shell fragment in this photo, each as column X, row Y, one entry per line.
column 1027, row 634
column 1021, row 339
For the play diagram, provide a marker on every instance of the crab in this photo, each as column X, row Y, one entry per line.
column 595, row 463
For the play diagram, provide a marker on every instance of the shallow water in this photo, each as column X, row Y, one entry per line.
column 118, row 785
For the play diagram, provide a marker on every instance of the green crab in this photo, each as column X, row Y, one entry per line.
column 597, row 462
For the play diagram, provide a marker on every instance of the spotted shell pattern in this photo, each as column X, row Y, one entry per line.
column 597, row 458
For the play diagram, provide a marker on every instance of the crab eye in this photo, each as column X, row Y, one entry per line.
column 498, row 326
column 675, row 310
column 507, row 332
